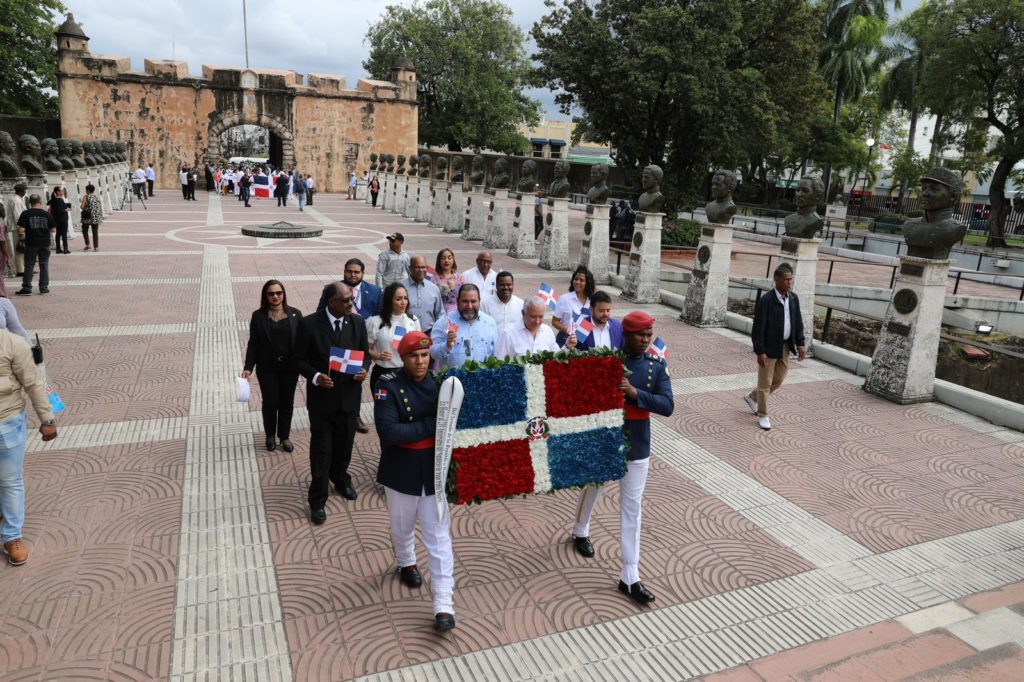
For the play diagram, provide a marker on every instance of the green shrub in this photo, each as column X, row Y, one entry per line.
column 680, row 232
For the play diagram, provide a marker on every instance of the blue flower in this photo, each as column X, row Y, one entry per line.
column 504, row 392
column 586, row 457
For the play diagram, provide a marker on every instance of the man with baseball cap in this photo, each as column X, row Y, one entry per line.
column 405, row 414
column 648, row 389
column 393, row 264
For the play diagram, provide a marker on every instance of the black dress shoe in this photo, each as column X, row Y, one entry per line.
column 444, row 622
column 271, row 445
column 348, row 492
column 637, row 592
column 410, row 576
column 583, row 546
column 317, row 516
column 361, row 427
column 287, row 446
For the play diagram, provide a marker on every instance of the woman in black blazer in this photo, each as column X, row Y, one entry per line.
column 271, row 344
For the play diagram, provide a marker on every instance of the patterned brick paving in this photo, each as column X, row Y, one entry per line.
column 97, row 598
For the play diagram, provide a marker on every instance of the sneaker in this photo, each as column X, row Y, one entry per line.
column 764, row 423
column 23, row 292
column 43, row 291
column 750, row 403
column 16, row 551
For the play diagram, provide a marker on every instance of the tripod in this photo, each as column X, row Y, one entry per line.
column 129, row 192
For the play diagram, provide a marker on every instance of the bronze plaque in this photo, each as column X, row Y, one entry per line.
column 707, row 231
column 904, row 301
column 638, row 239
column 492, row 206
column 449, row 196
column 469, row 201
column 703, row 254
column 549, row 219
column 788, row 246
column 518, row 211
column 587, row 228
column 912, row 269
column 898, row 328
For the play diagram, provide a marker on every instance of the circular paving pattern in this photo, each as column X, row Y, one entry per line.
column 282, row 230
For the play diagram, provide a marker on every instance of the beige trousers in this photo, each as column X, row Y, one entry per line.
column 769, row 379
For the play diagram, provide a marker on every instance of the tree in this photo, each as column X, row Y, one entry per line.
column 976, row 75
column 28, row 57
column 681, row 85
column 471, row 68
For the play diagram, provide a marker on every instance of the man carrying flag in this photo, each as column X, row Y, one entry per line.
column 532, row 335
column 331, row 352
column 646, row 390
column 607, row 332
column 465, row 333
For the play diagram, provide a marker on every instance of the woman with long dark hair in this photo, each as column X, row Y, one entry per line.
column 447, row 278
column 581, row 287
column 382, row 331
column 272, row 330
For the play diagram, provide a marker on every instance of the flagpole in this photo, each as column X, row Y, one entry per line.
column 245, row 34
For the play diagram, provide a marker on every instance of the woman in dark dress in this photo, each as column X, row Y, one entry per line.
column 60, row 211
column 271, row 342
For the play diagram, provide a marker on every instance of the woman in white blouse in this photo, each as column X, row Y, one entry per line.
column 381, row 331
column 581, row 286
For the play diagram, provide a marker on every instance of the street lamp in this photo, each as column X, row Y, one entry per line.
column 867, row 172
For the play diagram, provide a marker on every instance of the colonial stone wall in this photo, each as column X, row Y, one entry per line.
column 170, row 118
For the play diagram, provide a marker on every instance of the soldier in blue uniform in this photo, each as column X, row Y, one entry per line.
column 648, row 389
column 405, row 414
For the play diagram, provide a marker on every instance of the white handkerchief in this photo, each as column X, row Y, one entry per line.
column 243, row 390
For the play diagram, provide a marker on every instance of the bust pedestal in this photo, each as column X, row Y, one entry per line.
column 497, row 220
column 53, row 179
column 424, row 201
column 521, row 244
column 385, row 191
column 73, row 196
column 412, row 195
column 476, row 215
column 103, row 189
column 903, row 366
column 707, row 298
column 456, row 209
column 398, row 194
column 439, row 204
column 594, row 252
column 643, row 280
column 554, row 246
column 361, row 191
column 36, row 185
column 802, row 255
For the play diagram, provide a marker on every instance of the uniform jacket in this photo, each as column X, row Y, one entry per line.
column 405, row 412
column 369, row 299
column 257, row 351
column 312, row 353
column 769, row 318
column 653, row 393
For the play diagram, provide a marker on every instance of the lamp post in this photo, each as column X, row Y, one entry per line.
column 867, row 172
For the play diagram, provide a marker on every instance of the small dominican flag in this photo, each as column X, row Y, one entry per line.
column 396, row 337
column 548, row 294
column 658, row 348
column 582, row 326
column 381, row 394
column 431, row 274
column 261, row 186
column 585, row 312
column 346, row 361
column 452, row 327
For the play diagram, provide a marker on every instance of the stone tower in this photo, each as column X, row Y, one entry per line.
column 403, row 74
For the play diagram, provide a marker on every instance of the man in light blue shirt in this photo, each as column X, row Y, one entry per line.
column 464, row 334
column 425, row 302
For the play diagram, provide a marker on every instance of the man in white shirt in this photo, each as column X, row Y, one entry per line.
column 482, row 275
column 503, row 306
column 150, row 178
column 139, row 182
column 532, row 335
column 183, row 178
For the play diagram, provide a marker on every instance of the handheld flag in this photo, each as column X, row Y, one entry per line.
column 431, row 274
column 346, row 361
column 452, row 327
column 548, row 294
column 396, row 337
column 582, row 326
column 585, row 312
column 658, row 348
column 261, row 186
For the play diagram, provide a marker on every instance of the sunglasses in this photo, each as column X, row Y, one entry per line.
column 275, row 293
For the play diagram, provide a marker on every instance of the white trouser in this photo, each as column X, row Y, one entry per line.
column 631, row 493
column 405, row 510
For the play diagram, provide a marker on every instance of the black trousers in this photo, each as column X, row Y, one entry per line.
column 32, row 254
column 149, row 186
column 192, row 191
column 278, row 390
column 373, row 196
column 243, row 195
column 538, row 226
column 184, row 191
column 330, row 451
column 95, row 234
column 62, row 238
column 282, row 201
column 309, row 197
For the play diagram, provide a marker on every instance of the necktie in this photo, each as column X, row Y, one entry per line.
column 337, row 331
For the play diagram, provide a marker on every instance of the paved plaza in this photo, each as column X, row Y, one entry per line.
column 856, row 540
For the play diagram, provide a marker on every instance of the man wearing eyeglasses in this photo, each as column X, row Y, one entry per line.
column 332, row 397
column 482, row 275
column 367, row 296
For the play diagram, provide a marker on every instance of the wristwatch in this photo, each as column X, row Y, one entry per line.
column 49, row 422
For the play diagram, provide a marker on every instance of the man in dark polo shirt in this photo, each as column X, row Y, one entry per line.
column 35, row 228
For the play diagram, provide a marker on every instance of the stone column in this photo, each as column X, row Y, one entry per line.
column 522, row 244
column 476, row 215
column 594, row 253
column 361, row 192
column 53, row 179
column 439, row 205
column 386, row 200
column 36, row 185
column 554, row 245
column 102, row 190
column 643, row 280
column 497, row 220
column 456, row 210
column 398, row 194
column 412, row 193
column 113, row 187
column 802, row 254
column 903, row 366
column 73, row 197
column 424, row 201
column 708, row 296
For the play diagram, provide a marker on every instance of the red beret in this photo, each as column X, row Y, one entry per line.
column 413, row 341
column 637, row 321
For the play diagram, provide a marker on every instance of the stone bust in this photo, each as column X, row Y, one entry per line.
column 64, row 145
column 528, row 177
column 805, row 223
column 424, row 165
column 391, row 163
column 119, row 149
column 414, row 162
column 30, row 154
column 652, row 199
column 373, row 161
column 598, row 192
column 501, row 179
column 457, row 163
column 103, row 150
column 401, row 165
column 90, row 154
column 479, row 172
column 78, row 153
column 935, row 234
column 721, row 208
column 559, row 188
column 442, row 168
column 50, row 151
column 9, row 166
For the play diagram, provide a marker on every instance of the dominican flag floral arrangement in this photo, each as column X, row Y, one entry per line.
column 541, row 423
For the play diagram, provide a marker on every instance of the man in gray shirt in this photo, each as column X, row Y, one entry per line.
column 424, row 297
column 393, row 264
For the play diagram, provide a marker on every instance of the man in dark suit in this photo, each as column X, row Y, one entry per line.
column 778, row 330
column 368, row 296
column 607, row 332
column 332, row 397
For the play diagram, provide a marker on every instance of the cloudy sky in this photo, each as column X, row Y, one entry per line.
column 324, row 37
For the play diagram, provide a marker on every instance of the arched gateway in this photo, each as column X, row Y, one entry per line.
column 170, row 118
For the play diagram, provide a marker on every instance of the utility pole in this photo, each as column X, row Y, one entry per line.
column 245, row 32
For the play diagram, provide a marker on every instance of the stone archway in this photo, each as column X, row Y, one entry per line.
column 230, row 119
